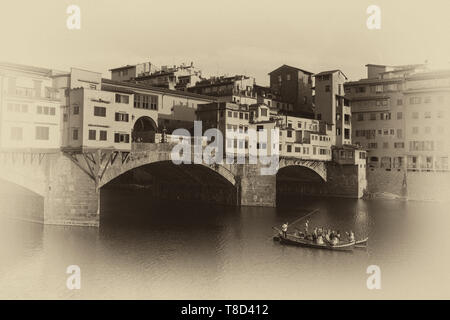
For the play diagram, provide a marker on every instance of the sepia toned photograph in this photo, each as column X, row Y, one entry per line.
column 240, row 150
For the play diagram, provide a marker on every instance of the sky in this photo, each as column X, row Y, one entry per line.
column 251, row 37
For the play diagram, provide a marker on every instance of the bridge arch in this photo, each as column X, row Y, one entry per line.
column 157, row 153
column 319, row 167
column 297, row 178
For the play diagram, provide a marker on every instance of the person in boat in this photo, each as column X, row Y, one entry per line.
column 327, row 235
column 351, row 236
column 319, row 239
column 284, row 229
column 314, row 235
column 334, row 241
column 306, row 227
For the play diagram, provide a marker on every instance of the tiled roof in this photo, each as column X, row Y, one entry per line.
column 286, row 66
column 157, row 89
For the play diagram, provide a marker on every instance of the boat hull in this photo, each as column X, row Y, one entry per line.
column 293, row 240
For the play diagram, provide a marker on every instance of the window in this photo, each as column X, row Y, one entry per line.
column 121, row 98
column 415, row 130
column 399, row 145
column 399, row 133
column 263, row 112
column 288, row 77
column 360, row 116
column 327, row 88
column 415, row 100
column 16, row 133
column 103, row 135
column 289, row 148
column 372, row 145
column 338, row 131
column 122, row 116
column 399, row 115
column 246, row 116
column 319, row 116
column 76, row 109
column 241, row 115
column 230, row 114
column 92, row 134
column 42, row 133
column 100, row 111
column 121, row 137
column 289, row 134
column 385, row 145
column 399, row 102
column 75, row 134
column 346, row 133
column 373, row 116
column 427, row 115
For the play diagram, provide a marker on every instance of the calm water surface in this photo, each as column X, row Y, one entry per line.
column 158, row 250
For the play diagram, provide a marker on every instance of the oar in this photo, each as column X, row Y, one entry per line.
column 314, row 211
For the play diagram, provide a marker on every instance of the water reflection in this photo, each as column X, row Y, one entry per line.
column 153, row 249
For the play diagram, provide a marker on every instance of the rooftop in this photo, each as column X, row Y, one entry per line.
column 329, row 72
column 290, row 67
column 157, row 89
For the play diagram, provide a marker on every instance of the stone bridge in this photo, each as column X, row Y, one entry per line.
column 69, row 181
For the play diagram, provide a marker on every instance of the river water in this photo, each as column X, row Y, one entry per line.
column 149, row 249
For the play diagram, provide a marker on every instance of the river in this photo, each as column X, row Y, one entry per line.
column 150, row 249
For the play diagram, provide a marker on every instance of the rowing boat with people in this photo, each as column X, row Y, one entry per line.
column 293, row 239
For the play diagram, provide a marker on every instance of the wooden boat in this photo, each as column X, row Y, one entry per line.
column 362, row 241
column 298, row 241
column 303, row 242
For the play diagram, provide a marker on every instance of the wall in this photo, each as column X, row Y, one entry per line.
column 429, row 186
column 256, row 189
column 71, row 197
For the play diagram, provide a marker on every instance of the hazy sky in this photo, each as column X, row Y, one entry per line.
column 225, row 37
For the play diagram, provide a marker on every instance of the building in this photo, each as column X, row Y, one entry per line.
column 175, row 78
column 301, row 138
column 399, row 115
column 294, row 86
column 103, row 113
column 29, row 107
column 237, row 89
column 426, row 117
column 332, row 107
